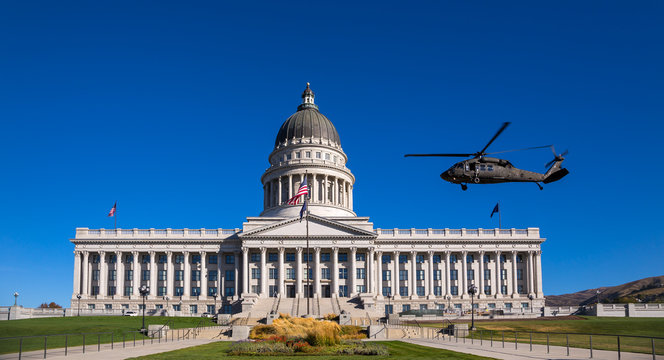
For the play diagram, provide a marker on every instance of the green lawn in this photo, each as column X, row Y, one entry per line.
column 653, row 327
column 115, row 325
column 398, row 350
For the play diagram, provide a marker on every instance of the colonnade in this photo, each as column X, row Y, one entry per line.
column 325, row 189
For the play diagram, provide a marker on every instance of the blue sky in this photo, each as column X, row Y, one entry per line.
column 171, row 109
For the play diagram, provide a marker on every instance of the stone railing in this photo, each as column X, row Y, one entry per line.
column 155, row 233
column 457, row 233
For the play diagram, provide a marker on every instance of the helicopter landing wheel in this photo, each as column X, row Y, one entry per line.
column 476, row 180
column 464, row 187
column 540, row 186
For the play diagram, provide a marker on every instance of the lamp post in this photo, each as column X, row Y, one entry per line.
column 531, row 297
column 78, row 296
column 15, row 298
column 215, row 303
column 167, row 298
column 144, row 290
column 598, row 292
column 472, row 290
column 389, row 306
column 449, row 300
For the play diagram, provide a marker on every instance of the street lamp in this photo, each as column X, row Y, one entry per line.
column 215, row 303
column 598, row 292
column 144, row 290
column 531, row 297
column 15, row 298
column 449, row 299
column 389, row 306
column 78, row 296
column 472, row 290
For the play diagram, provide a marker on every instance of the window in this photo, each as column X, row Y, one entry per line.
column 95, row 290
column 272, row 257
column 437, row 290
column 454, row 290
column 437, row 274
column 230, row 291
column 487, row 258
column 145, row 259
column 454, row 274
column 470, row 258
column 343, row 257
column 112, row 259
column 424, row 307
column 343, row 273
column 441, row 306
column 327, row 156
column 111, row 275
column 95, row 275
column 297, row 155
column 325, row 257
column 91, row 306
column 436, row 259
column 403, row 290
column 360, row 257
column 311, row 257
column 146, row 275
column 210, row 309
column 162, row 259
column 471, row 275
column 389, row 309
column 161, row 275
column 476, row 306
column 491, row 305
column 95, row 259
column 453, row 258
column 212, row 275
column 361, row 273
column 520, row 289
column 212, row 291
column 503, row 289
column 129, row 259
column 519, row 274
column 343, row 291
column 387, row 259
column 387, row 275
column 179, row 291
column 289, row 156
column 503, row 258
column 125, row 306
column 274, row 273
column 195, row 291
column 161, row 291
column 255, row 273
column 419, row 259
column 129, row 275
column 290, row 256
column 457, row 306
column 487, row 274
column 489, row 167
column 255, row 257
column 403, row 259
column 519, row 259
column 230, row 275
column 227, row 309
column 508, row 306
column 524, row 305
column 503, row 274
column 179, row 259
column 307, row 154
column 255, row 289
column 273, row 290
column 308, row 273
column 290, row 274
column 361, row 289
column 195, row 275
column 177, row 307
column 195, row 259
column 193, row 309
column 179, row 275
column 230, row 259
column 325, row 273
column 487, row 289
column 387, row 291
column 212, row 259
column 128, row 290
column 405, row 307
column 317, row 155
column 420, row 274
column 111, row 290
column 403, row 275
column 420, row 291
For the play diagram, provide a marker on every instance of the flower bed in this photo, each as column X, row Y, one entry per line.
column 276, row 348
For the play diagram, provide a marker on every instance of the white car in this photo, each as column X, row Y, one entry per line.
column 130, row 313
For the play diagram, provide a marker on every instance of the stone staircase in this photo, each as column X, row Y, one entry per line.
column 214, row 333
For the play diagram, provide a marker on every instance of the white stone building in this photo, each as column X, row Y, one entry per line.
column 263, row 265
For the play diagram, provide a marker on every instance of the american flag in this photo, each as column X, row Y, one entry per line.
column 112, row 212
column 303, row 190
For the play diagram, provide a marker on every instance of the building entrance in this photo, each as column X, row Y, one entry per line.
column 325, row 289
column 290, row 291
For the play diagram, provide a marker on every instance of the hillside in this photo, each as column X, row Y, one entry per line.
column 645, row 290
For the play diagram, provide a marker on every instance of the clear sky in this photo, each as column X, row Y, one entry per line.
column 171, row 108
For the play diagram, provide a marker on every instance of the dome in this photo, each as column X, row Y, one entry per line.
column 307, row 123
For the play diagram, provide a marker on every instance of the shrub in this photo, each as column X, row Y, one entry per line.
column 259, row 348
column 331, row 317
column 314, row 332
column 262, row 332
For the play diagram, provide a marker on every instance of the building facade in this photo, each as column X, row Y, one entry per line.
column 190, row 271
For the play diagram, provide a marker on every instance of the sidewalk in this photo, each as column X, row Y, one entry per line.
column 105, row 351
column 523, row 352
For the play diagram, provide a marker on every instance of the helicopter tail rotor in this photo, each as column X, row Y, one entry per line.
column 556, row 157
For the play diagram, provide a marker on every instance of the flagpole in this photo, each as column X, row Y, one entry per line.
column 115, row 215
column 308, row 258
column 499, row 216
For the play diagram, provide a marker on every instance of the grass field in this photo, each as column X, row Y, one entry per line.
column 115, row 325
column 653, row 327
column 398, row 351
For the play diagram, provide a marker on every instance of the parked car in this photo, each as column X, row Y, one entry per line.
column 207, row 315
column 130, row 313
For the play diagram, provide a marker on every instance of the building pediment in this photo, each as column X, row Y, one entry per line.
column 319, row 228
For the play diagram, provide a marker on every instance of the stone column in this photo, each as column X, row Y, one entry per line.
column 531, row 275
column 264, row 288
column 86, row 273
column 350, row 192
column 153, row 273
column 290, row 186
column 169, row 274
column 298, row 272
column 245, row 268
column 369, row 265
column 395, row 275
column 103, row 274
column 379, row 267
column 498, row 280
column 464, row 275
column 481, row 275
column 317, row 286
column 448, row 275
column 413, row 272
column 187, row 275
column 282, row 273
column 335, row 271
column 430, row 275
column 119, row 274
column 514, row 280
column 220, row 277
column 279, row 201
column 353, row 271
column 538, row 258
column 325, row 186
column 136, row 270
column 204, row 278
column 236, row 256
column 77, row 272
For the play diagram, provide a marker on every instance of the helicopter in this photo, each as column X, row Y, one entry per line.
column 489, row 170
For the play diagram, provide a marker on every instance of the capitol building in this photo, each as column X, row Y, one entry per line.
column 265, row 264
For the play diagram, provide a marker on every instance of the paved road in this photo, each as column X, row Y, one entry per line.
column 105, row 351
column 523, row 352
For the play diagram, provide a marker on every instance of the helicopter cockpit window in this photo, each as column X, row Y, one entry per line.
column 472, row 166
column 482, row 167
column 489, row 167
column 467, row 168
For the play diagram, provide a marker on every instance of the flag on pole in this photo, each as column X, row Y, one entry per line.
column 303, row 210
column 303, row 190
column 112, row 212
column 496, row 209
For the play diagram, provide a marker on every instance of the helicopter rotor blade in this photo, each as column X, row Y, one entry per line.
column 550, row 163
column 529, row 148
column 444, row 155
column 564, row 153
column 502, row 128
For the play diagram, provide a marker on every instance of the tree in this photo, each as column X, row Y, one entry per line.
column 52, row 305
